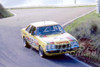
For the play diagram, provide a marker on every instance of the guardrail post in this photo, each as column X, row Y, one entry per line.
column 98, row 6
column 75, row 1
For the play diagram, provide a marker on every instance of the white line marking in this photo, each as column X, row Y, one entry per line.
column 78, row 60
column 77, row 17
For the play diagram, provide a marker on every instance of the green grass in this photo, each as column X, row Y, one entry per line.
column 5, row 13
column 10, row 14
column 77, row 22
column 51, row 7
column 84, row 6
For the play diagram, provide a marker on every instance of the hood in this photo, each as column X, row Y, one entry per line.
column 58, row 38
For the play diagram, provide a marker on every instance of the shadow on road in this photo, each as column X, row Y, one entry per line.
column 62, row 60
column 59, row 60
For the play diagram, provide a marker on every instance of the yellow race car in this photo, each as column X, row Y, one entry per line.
column 49, row 38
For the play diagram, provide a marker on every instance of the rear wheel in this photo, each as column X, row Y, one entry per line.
column 41, row 52
column 26, row 43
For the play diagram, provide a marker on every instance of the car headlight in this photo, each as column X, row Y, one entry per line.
column 52, row 46
column 49, row 47
column 74, row 44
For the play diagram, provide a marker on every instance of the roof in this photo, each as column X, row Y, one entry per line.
column 44, row 23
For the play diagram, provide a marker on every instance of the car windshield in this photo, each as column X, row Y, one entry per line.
column 49, row 30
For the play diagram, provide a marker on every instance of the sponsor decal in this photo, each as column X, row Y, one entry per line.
column 63, row 42
column 27, row 38
column 70, row 39
column 44, row 36
column 51, row 42
column 33, row 41
column 57, row 38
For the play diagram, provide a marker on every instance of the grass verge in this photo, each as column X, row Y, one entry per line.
column 51, row 7
column 79, row 21
column 87, row 31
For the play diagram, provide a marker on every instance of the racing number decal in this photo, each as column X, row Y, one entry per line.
column 33, row 42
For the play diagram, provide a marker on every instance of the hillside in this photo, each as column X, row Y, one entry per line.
column 4, row 13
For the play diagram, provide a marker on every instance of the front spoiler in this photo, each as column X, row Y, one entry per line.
column 58, row 52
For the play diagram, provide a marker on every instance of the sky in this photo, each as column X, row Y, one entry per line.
column 21, row 3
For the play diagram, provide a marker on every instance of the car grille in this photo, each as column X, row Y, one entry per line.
column 65, row 46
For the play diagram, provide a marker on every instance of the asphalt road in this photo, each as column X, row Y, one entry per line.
column 12, row 51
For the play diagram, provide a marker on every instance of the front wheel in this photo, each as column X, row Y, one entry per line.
column 73, row 53
column 41, row 52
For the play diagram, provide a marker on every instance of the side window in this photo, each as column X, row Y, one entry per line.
column 32, row 30
column 28, row 28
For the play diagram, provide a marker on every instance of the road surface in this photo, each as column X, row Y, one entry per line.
column 12, row 51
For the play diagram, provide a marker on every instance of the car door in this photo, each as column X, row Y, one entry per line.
column 32, row 37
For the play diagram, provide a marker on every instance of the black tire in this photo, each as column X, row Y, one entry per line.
column 41, row 52
column 73, row 53
column 26, row 43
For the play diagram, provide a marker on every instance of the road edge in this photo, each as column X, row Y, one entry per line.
column 66, row 23
column 78, row 60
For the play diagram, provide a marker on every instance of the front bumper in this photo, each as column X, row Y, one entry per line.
column 61, row 51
